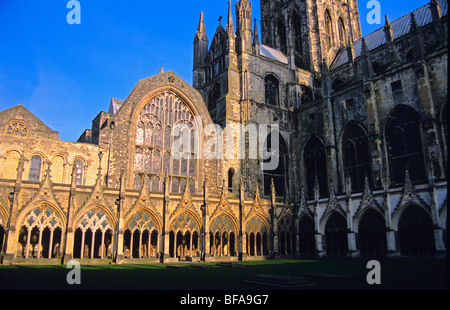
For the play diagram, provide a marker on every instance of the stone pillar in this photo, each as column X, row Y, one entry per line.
column 118, row 231
column 165, row 240
column 242, row 243
column 9, row 252
column 69, row 238
column 206, row 242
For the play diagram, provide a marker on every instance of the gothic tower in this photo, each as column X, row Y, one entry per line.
column 309, row 31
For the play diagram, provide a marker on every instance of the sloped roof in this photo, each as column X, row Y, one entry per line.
column 36, row 127
column 400, row 27
column 273, row 54
column 114, row 106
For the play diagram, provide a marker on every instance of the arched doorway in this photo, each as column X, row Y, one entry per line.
column 307, row 244
column 93, row 236
column 40, row 234
column 372, row 235
column 415, row 232
column 336, row 235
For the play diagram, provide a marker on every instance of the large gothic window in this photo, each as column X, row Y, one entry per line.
column 164, row 119
column 328, row 30
column 297, row 37
column 341, row 27
column 272, row 92
column 336, row 235
column 278, row 175
column 404, row 144
column 35, row 169
column 355, row 148
column 93, row 236
column 282, row 37
column 213, row 96
column 40, row 235
column 315, row 161
column 79, row 172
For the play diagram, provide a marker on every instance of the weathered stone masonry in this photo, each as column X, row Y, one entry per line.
column 363, row 150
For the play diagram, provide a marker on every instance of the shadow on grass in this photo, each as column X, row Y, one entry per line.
column 395, row 275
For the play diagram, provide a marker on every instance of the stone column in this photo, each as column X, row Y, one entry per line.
column 9, row 253
column 165, row 254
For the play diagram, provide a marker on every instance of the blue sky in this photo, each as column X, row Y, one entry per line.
column 66, row 74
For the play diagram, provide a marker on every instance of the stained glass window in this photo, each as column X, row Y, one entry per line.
column 165, row 119
column 35, row 169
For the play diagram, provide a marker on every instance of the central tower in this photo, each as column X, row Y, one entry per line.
column 309, row 30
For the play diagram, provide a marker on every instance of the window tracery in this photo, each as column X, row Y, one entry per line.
column 17, row 128
column 158, row 121
column 40, row 235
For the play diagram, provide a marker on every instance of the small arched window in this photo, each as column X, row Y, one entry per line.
column 231, row 173
column 278, row 174
column 35, row 169
column 158, row 152
column 404, row 144
column 307, row 94
column 328, row 30
column 315, row 163
column 282, row 37
column 297, row 33
column 355, row 148
column 341, row 26
column 79, row 172
column 213, row 96
column 272, row 90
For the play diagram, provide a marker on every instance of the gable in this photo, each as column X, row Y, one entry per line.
column 19, row 120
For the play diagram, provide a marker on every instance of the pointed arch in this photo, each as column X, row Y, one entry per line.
column 185, row 220
column 342, row 32
column 335, row 228
column 315, row 167
column 371, row 232
column 306, row 229
column 94, row 216
column 285, row 227
column 272, row 90
column 280, row 173
column 328, row 30
column 224, row 222
column 35, row 168
column 162, row 112
column 257, row 223
column 415, row 231
column 356, row 155
column 404, row 144
column 143, row 218
column 40, row 232
column 297, row 36
column 281, row 36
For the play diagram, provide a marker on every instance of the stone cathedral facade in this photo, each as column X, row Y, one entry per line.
column 362, row 153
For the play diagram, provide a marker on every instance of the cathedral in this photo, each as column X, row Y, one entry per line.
column 356, row 127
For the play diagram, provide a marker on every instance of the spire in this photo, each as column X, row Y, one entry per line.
column 161, row 70
column 230, row 25
column 201, row 44
column 364, row 47
column 435, row 10
column 201, row 30
column 414, row 25
column 256, row 45
column 255, row 34
column 388, row 30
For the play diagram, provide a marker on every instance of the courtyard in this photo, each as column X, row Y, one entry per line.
column 395, row 275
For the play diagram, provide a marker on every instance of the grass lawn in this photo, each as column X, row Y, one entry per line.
column 395, row 275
